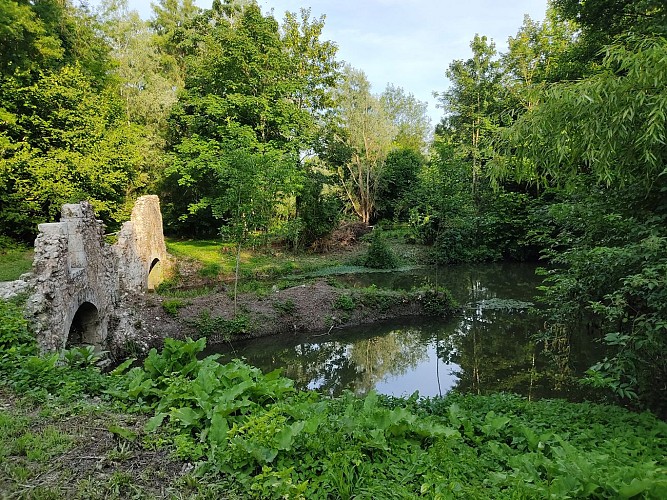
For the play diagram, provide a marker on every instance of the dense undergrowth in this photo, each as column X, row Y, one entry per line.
column 257, row 436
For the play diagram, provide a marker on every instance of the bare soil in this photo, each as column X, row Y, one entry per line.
column 310, row 307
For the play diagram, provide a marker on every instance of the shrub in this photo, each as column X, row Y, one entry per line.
column 209, row 326
column 344, row 302
column 380, row 255
column 285, row 307
column 438, row 302
column 172, row 306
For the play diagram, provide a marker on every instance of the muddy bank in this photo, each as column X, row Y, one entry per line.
column 313, row 307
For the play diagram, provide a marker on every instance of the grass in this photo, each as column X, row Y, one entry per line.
column 86, row 451
column 218, row 259
column 14, row 261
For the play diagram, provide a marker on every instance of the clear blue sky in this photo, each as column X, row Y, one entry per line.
column 409, row 43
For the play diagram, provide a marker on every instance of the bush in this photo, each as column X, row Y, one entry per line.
column 209, row 326
column 380, row 255
column 172, row 306
column 285, row 308
column 344, row 302
column 438, row 302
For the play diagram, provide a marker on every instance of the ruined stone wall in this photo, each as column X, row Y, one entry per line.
column 78, row 282
column 72, row 266
column 141, row 248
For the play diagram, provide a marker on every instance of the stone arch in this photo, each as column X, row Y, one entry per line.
column 155, row 274
column 85, row 326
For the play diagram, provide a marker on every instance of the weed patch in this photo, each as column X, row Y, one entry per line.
column 284, row 307
column 172, row 306
column 344, row 302
column 210, row 326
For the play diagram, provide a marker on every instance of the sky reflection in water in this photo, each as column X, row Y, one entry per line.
column 485, row 349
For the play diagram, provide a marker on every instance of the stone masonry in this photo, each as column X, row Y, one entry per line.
column 78, row 282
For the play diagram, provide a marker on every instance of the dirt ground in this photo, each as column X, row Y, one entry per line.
column 311, row 307
column 102, row 456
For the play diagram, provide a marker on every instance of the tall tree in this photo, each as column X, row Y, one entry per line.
column 63, row 135
column 360, row 136
column 601, row 21
column 172, row 24
column 472, row 105
column 538, row 55
column 612, row 125
column 409, row 114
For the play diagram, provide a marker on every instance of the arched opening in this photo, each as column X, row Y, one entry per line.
column 85, row 326
column 154, row 274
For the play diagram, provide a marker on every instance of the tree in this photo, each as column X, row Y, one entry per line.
column 602, row 21
column 360, row 135
column 397, row 188
column 173, row 26
column 63, row 135
column 472, row 105
column 603, row 140
column 73, row 144
column 409, row 115
column 313, row 59
column 248, row 89
column 538, row 55
column 612, row 125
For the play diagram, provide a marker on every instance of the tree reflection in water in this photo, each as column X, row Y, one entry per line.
column 487, row 348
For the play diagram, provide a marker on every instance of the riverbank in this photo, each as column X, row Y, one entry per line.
column 279, row 293
column 315, row 306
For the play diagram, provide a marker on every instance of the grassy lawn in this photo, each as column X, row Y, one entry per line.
column 14, row 261
column 218, row 259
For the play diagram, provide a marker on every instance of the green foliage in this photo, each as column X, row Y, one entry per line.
column 345, row 302
column 210, row 326
column 380, row 255
column 277, row 442
column 318, row 212
column 245, row 113
column 601, row 22
column 438, row 302
column 611, row 124
column 63, row 135
column 15, row 338
column 396, row 188
column 616, row 286
column 285, row 308
column 15, row 259
column 172, row 306
column 67, row 374
column 81, row 357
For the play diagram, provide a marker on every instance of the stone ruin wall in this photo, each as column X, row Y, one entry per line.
column 79, row 284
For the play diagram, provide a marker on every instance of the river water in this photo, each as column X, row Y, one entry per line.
column 486, row 348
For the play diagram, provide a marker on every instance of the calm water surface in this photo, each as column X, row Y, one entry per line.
column 487, row 348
